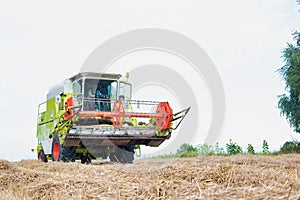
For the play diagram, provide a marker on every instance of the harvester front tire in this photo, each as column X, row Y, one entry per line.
column 85, row 159
column 41, row 156
column 68, row 153
column 123, row 154
column 73, row 154
column 56, row 149
column 113, row 157
column 130, row 154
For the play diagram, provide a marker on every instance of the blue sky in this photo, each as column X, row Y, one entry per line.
column 42, row 43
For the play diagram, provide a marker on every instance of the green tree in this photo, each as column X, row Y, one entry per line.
column 289, row 103
column 265, row 147
column 233, row 148
column 290, row 147
column 205, row 149
column 186, row 148
column 250, row 149
column 219, row 150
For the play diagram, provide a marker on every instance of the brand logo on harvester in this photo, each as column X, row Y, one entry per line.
column 168, row 77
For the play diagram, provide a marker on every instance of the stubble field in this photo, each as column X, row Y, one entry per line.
column 210, row 177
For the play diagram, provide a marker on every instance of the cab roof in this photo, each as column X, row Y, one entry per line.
column 95, row 75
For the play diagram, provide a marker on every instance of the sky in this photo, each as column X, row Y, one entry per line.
column 43, row 43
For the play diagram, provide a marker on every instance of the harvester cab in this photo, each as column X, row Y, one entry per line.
column 92, row 115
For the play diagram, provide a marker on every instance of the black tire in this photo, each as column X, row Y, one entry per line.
column 113, row 157
column 82, row 159
column 123, row 154
column 42, row 156
column 85, row 159
column 56, row 149
column 130, row 154
column 64, row 154
column 68, row 153
column 73, row 154
column 88, row 160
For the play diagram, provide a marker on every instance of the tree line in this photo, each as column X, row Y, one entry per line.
column 232, row 148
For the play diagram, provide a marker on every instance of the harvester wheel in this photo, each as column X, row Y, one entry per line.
column 41, row 156
column 68, row 153
column 85, row 159
column 123, row 154
column 88, row 160
column 72, row 154
column 113, row 157
column 130, row 154
column 56, row 149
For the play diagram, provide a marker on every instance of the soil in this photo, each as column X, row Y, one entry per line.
column 208, row 177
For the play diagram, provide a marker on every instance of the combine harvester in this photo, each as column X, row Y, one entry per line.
column 90, row 115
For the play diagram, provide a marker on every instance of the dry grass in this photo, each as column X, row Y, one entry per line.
column 212, row 177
